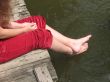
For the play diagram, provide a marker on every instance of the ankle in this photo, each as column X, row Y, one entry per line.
column 69, row 53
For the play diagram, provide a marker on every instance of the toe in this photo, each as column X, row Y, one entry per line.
column 85, row 39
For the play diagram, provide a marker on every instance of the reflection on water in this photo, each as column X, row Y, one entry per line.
column 77, row 18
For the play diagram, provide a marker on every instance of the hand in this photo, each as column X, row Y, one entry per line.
column 26, row 24
column 15, row 25
column 29, row 26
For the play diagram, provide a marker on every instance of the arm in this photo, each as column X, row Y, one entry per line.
column 15, row 25
column 7, row 33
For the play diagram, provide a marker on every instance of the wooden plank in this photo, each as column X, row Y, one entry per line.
column 42, row 74
column 11, row 73
column 19, row 70
column 21, row 75
column 19, row 9
column 26, row 59
column 52, row 71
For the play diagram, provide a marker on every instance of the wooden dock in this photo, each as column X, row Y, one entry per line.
column 34, row 66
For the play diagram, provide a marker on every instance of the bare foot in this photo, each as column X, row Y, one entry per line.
column 80, row 45
column 83, row 48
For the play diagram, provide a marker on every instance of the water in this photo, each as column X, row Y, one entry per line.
column 77, row 18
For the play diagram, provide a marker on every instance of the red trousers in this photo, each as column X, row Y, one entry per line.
column 14, row 47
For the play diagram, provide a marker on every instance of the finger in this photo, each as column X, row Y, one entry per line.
column 33, row 23
column 34, row 27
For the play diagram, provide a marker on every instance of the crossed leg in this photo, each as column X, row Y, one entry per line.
column 67, row 45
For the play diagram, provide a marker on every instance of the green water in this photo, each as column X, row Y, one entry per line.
column 77, row 18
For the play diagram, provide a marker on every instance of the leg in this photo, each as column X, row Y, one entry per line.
column 77, row 45
column 58, row 35
column 60, row 47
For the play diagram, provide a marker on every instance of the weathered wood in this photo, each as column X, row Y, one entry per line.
column 13, row 74
column 43, row 74
column 19, row 9
column 25, row 59
column 19, row 75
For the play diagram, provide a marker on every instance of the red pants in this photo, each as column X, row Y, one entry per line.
column 21, row 44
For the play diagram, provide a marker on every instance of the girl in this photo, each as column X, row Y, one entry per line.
column 25, row 35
